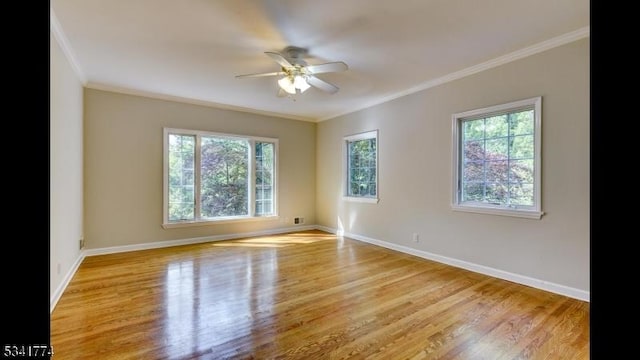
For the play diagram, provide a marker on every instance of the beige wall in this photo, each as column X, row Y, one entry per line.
column 415, row 171
column 123, row 166
column 65, row 156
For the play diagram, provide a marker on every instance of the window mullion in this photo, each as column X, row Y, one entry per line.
column 461, row 162
column 252, row 178
column 509, row 158
column 197, row 180
column 484, row 159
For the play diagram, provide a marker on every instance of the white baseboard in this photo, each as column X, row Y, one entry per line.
column 327, row 229
column 65, row 281
column 501, row 274
column 204, row 239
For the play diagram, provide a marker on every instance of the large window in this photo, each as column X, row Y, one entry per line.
column 497, row 159
column 217, row 177
column 361, row 168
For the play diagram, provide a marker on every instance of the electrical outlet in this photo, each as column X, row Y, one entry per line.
column 301, row 220
column 416, row 237
column 296, row 220
column 81, row 243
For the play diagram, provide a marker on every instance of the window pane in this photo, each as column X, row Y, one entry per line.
column 497, row 171
column 521, row 147
column 181, row 182
column 362, row 168
column 497, row 149
column 354, row 160
column 264, row 178
column 224, row 177
column 263, row 192
column 267, row 207
column 473, row 192
column 521, row 122
column 497, row 194
column 496, row 126
column 521, row 171
column 473, row 129
column 521, row 194
column 473, row 171
column 353, row 176
column 354, row 189
column 474, row 150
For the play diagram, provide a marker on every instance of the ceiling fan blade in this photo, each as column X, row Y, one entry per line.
column 260, row 74
column 328, row 67
column 322, row 85
column 279, row 59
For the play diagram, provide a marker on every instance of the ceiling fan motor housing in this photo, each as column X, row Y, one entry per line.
column 295, row 55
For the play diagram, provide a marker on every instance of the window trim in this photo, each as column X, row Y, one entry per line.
column 533, row 212
column 345, row 167
column 166, row 224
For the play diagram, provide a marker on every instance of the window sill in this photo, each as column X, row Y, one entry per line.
column 220, row 221
column 528, row 214
column 361, row 199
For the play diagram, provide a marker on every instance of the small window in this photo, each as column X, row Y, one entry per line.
column 211, row 177
column 265, row 160
column 361, row 167
column 497, row 159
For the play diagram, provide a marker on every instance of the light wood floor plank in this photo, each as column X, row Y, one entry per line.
column 307, row 295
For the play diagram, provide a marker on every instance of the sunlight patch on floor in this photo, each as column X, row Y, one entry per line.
column 235, row 244
column 277, row 240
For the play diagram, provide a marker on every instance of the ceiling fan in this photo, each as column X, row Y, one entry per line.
column 297, row 75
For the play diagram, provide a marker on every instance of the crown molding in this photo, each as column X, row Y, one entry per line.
column 501, row 60
column 193, row 101
column 62, row 40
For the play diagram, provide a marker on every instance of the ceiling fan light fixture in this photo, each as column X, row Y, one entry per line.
column 300, row 82
column 287, row 85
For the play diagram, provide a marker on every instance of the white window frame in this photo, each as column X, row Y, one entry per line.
column 373, row 134
column 251, row 174
column 531, row 212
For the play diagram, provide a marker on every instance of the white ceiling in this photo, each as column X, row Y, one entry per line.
column 192, row 49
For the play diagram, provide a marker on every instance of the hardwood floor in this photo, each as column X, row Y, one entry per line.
column 308, row 295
